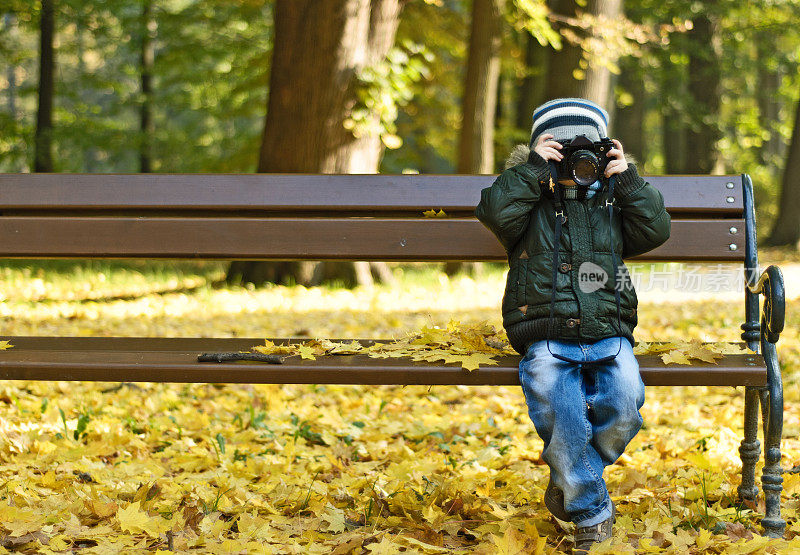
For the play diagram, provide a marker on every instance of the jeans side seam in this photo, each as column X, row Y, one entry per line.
column 598, row 481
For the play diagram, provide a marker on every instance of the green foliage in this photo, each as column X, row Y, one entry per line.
column 531, row 16
column 209, row 84
column 212, row 63
column 386, row 86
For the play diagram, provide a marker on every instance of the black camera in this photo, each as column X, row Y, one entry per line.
column 584, row 161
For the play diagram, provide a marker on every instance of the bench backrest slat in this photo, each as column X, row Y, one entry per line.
column 313, row 239
column 717, row 196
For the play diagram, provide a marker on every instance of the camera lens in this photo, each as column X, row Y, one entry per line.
column 585, row 167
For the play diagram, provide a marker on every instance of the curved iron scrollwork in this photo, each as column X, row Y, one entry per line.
column 773, row 313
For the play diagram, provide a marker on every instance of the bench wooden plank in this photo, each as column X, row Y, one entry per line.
column 285, row 193
column 175, row 360
column 419, row 239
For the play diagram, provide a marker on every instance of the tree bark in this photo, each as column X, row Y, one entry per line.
column 479, row 103
column 629, row 120
column 43, row 139
column 11, row 73
column 147, row 61
column 596, row 83
column 561, row 81
column 768, row 83
column 786, row 230
column 704, row 89
column 532, row 89
column 476, row 145
column 312, row 91
column 673, row 82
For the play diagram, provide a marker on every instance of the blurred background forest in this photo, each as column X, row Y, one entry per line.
column 398, row 86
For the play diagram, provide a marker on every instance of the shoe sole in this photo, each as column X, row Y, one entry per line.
column 554, row 501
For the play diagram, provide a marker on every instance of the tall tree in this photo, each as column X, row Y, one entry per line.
column 532, row 89
column 561, row 79
column 309, row 136
column 476, row 147
column 479, row 103
column 786, row 230
column 597, row 84
column 43, row 141
column 147, row 60
column 11, row 72
column 628, row 123
column 769, row 105
column 704, row 86
column 673, row 121
column 571, row 75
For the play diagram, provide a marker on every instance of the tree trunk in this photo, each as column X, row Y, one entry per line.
column 90, row 153
column 768, row 83
column 312, row 90
column 673, row 119
column 476, row 152
column 561, row 81
column 565, row 63
column 43, row 139
column 532, row 89
column 786, row 230
column 147, row 60
column 628, row 124
column 597, row 84
column 479, row 103
column 11, row 73
column 704, row 89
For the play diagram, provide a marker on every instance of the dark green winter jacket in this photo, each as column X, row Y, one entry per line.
column 518, row 208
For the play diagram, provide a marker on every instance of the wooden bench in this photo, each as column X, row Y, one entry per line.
column 361, row 217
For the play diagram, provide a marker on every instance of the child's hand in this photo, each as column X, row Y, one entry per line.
column 618, row 165
column 547, row 149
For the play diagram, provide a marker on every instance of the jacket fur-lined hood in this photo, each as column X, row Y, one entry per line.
column 520, row 154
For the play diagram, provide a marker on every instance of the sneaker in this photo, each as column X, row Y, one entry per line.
column 554, row 501
column 586, row 536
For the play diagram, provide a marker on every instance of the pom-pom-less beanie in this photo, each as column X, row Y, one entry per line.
column 566, row 118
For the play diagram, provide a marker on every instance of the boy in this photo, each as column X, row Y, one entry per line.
column 586, row 414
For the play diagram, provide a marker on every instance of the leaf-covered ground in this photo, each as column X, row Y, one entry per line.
column 101, row 468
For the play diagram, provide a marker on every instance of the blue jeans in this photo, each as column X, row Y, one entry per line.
column 586, row 414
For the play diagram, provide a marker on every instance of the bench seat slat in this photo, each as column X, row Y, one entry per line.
column 420, row 239
column 325, row 193
column 174, row 360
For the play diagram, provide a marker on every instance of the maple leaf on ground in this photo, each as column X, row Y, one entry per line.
column 513, row 542
column 434, row 214
column 132, row 519
column 384, row 547
column 4, row 345
column 334, row 520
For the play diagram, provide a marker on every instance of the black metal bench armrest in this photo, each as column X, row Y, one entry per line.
column 773, row 311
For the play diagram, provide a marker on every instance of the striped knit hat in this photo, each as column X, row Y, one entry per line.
column 566, row 118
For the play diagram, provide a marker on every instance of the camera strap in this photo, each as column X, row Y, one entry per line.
column 561, row 218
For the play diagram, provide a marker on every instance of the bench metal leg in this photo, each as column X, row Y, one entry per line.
column 772, row 411
column 750, row 449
